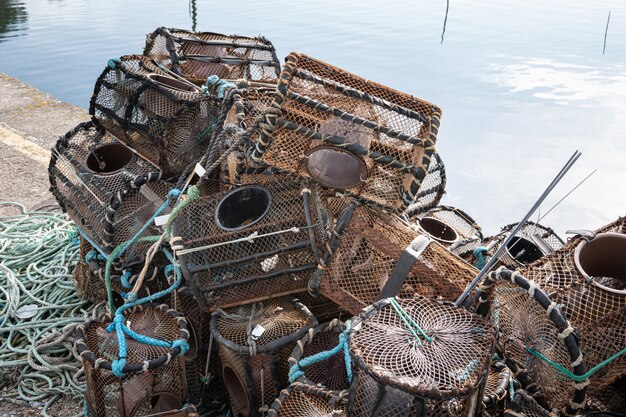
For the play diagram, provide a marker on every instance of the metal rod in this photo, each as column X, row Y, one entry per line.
column 566, row 195
column 495, row 256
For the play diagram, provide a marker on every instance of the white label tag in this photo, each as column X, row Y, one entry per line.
column 199, row 170
column 161, row 220
column 257, row 332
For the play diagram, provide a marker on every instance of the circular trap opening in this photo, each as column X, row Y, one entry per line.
column 335, row 168
column 438, row 230
column 236, row 390
column 108, row 159
column 603, row 259
column 523, row 250
column 172, row 83
column 243, row 207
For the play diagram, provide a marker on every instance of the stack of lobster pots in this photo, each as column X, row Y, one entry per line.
column 269, row 241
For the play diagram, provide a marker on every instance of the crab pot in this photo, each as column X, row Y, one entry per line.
column 322, row 308
column 363, row 252
column 497, row 386
column 418, row 357
column 251, row 243
column 254, row 343
column 198, row 55
column 588, row 278
column 348, row 133
column 108, row 190
column 452, row 228
column 187, row 411
column 523, row 404
column 154, row 380
column 530, row 325
column 432, row 188
column 329, row 374
column 165, row 119
column 299, row 400
column 531, row 243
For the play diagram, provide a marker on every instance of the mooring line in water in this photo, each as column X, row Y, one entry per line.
column 517, row 228
column 445, row 20
column 606, row 30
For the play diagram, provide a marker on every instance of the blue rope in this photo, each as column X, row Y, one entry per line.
column 113, row 63
column 480, row 255
column 296, row 370
column 124, row 278
column 92, row 243
column 221, row 85
column 413, row 324
column 94, row 255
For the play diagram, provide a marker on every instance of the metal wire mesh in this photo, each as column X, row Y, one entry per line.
column 532, row 242
column 588, row 279
column 330, row 373
column 254, row 343
column 251, row 243
column 348, row 133
column 109, row 191
column 198, row 55
column 155, row 376
column 528, row 321
column 300, row 400
column 452, row 228
column 165, row 119
column 369, row 244
column 401, row 373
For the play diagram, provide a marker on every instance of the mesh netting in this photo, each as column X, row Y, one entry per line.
column 198, row 55
column 106, row 189
column 528, row 323
column 188, row 411
column 432, row 188
column 357, row 269
column 453, row 228
column 496, row 391
column 588, row 278
column 301, row 400
column 155, row 376
column 254, row 343
column 165, row 119
column 523, row 405
column 322, row 308
column 349, row 133
column 531, row 242
column 402, row 373
column 251, row 243
column 329, row 373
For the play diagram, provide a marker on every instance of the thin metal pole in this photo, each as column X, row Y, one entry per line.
column 495, row 256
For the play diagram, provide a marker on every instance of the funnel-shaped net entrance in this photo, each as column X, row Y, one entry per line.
column 255, row 341
column 166, row 119
column 106, row 189
column 198, row 55
column 154, row 380
column 367, row 246
column 588, row 279
column 532, row 242
column 348, row 133
column 417, row 356
column 187, row 411
column 301, row 400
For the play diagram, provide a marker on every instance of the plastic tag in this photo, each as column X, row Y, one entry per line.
column 199, row 170
column 26, row 312
column 161, row 220
column 257, row 332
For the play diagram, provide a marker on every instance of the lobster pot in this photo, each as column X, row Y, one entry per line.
column 361, row 257
column 300, row 400
column 187, row 411
column 165, row 119
column 588, row 279
column 251, row 243
column 418, row 357
column 531, row 242
column 452, row 228
column 497, row 386
column 108, row 190
column 330, row 373
column 432, row 189
column 198, row 55
column 348, row 133
column 524, row 405
column 322, row 308
column 154, row 380
column 531, row 332
column 254, row 343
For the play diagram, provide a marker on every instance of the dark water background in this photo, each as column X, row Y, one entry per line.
column 522, row 84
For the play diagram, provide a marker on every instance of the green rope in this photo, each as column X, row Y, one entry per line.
column 39, row 309
column 567, row 372
column 408, row 321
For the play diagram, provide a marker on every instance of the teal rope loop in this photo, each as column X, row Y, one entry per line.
column 296, row 370
column 411, row 324
column 117, row 366
column 94, row 255
column 480, row 253
column 567, row 372
column 113, row 63
column 221, row 85
column 125, row 278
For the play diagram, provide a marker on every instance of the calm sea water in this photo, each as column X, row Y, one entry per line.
column 522, row 84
